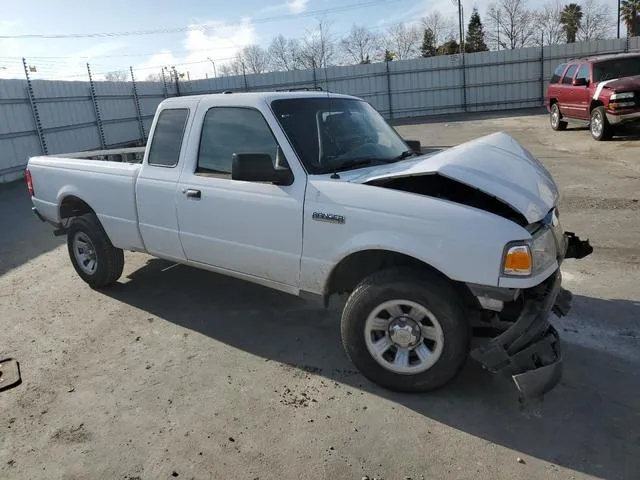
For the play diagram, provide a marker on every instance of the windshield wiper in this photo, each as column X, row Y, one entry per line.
column 405, row 154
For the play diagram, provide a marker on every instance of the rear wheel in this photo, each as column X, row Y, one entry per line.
column 600, row 127
column 555, row 117
column 405, row 330
column 92, row 254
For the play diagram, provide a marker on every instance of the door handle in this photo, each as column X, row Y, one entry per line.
column 192, row 193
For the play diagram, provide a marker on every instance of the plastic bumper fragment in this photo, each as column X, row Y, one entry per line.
column 529, row 351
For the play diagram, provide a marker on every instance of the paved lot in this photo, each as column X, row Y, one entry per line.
column 181, row 373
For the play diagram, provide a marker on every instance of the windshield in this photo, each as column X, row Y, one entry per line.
column 332, row 134
column 621, row 67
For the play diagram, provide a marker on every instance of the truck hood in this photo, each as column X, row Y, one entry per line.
column 623, row 84
column 496, row 165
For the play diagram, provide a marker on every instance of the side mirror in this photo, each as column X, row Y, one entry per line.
column 580, row 82
column 258, row 167
column 414, row 145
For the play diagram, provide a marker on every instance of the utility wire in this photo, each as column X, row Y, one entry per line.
column 203, row 27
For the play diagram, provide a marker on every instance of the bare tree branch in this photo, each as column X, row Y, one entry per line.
column 318, row 47
column 597, row 21
column 511, row 24
column 285, row 53
column 548, row 22
column 117, row 76
column 255, row 58
column 404, row 41
column 361, row 45
column 443, row 29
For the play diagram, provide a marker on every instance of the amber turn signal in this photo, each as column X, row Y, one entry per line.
column 518, row 261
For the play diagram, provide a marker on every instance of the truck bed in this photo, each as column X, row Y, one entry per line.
column 103, row 179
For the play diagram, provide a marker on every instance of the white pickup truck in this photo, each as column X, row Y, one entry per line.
column 315, row 194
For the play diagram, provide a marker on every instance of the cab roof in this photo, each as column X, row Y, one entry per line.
column 605, row 57
column 245, row 98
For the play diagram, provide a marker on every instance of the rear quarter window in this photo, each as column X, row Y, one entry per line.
column 557, row 73
column 167, row 137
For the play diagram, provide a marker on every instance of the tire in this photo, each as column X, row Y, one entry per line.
column 87, row 240
column 555, row 118
column 406, row 286
column 600, row 127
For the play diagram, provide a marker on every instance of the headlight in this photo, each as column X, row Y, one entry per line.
column 532, row 257
column 622, row 96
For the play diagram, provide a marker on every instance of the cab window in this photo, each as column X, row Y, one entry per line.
column 167, row 137
column 229, row 130
column 583, row 72
column 557, row 74
column 568, row 77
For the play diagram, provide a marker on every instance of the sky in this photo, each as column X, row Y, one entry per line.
column 195, row 30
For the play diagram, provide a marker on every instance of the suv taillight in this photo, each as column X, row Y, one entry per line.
column 27, row 176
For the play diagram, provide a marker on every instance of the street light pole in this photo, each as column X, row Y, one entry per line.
column 214, row 66
column 618, row 18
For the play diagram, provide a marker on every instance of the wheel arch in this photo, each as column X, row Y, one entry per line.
column 354, row 267
column 73, row 206
column 595, row 104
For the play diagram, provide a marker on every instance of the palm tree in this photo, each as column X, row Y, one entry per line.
column 570, row 19
column 630, row 15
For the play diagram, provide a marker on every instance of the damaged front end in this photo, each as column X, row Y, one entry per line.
column 527, row 346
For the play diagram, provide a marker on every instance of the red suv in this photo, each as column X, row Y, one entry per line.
column 602, row 91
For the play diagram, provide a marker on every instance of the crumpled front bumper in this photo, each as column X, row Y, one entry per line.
column 530, row 350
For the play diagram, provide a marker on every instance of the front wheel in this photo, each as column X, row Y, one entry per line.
column 93, row 256
column 600, row 127
column 405, row 330
column 555, row 117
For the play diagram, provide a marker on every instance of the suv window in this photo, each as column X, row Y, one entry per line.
column 583, row 72
column 568, row 77
column 558, row 73
column 229, row 130
column 167, row 137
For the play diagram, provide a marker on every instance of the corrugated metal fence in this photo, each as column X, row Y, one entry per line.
column 72, row 116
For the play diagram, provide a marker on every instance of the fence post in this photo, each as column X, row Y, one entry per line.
column 389, row 90
column 136, row 100
column 464, row 83
column 315, row 80
column 542, row 69
column 34, row 111
column 164, row 83
column 244, row 75
column 96, row 109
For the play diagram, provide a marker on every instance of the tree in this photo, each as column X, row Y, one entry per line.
column 154, row 77
column 428, row 48
column 318, row 47
column 450, row 47
column 404, row 41
column 511, row 24
column 475, row 34
column 360, row 45
column 630, row 15
column 570, row 19
column 597, row 21
column 548, row 22
column 117, row 76
column 443, row 28
column 285, row 53
column 255, row 58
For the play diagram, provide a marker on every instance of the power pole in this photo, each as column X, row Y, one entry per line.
column 460, row 20
column 618, row 18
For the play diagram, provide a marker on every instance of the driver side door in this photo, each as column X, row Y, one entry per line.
column 246, row 228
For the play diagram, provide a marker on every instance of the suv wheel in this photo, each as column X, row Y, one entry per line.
column 600, row 127
column 555, row 117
